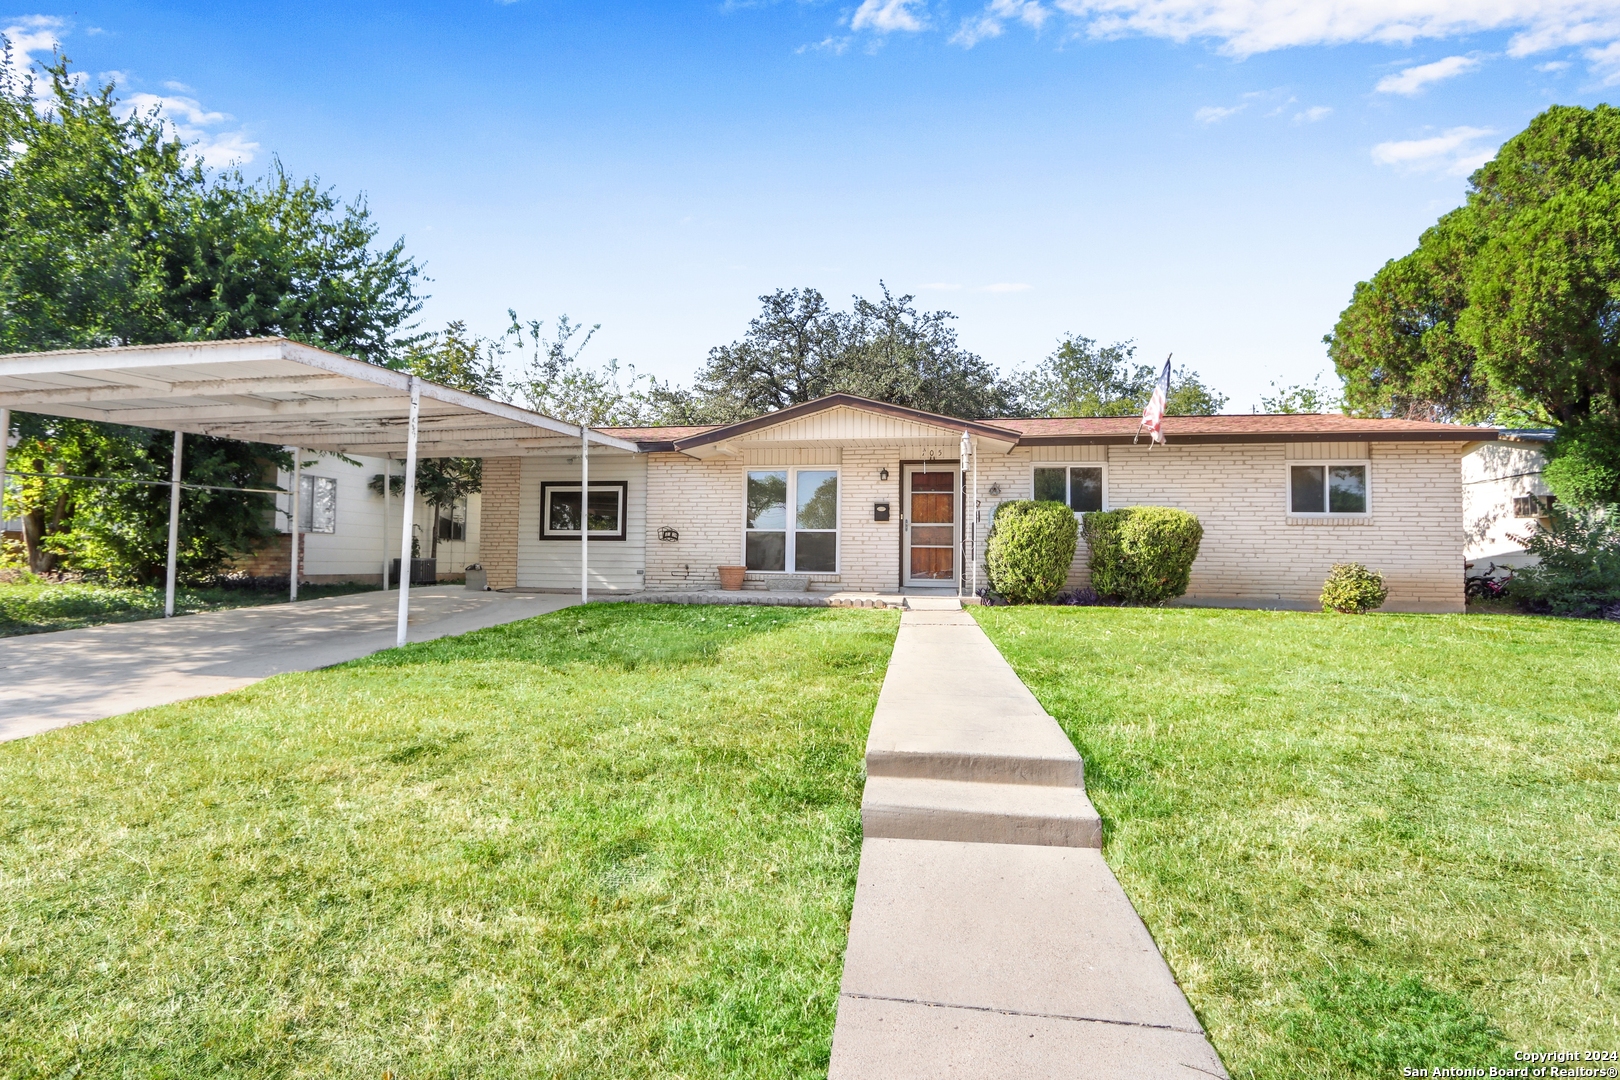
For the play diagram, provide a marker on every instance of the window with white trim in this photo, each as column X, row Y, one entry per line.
column 791, row 521
column 559, row 510
column 1079, row 487
column 1325, row 487
column 317, row 504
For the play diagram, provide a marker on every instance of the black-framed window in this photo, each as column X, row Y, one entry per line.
column 560, row 512
column 1327, row 489
column 810, row 545
column 1079, row 487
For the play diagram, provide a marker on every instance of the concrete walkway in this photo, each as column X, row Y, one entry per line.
column 51, row 680
column 989, row 938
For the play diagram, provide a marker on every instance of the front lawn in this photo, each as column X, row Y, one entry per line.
column 615, row 841
column 36, row 606
column 1362, row 843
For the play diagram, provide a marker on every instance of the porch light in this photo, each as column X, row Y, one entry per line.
column 883, row 474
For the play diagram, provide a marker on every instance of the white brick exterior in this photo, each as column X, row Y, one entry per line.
column 1254, row 552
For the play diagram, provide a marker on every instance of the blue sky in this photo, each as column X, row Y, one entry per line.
column 1208, row 177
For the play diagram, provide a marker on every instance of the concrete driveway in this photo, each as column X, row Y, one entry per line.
column 51, row 680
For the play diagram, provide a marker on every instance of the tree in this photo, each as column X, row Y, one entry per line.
column 554, row 382
column 1080, row 379
column 1510, row 307
column 1310, row 397
column 800, row 348
column 111, row 234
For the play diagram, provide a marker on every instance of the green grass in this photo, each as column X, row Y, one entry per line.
column 615, row 841
column 1361, row 842
column 37, row 607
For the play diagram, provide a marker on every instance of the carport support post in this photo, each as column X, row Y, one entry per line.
column 296, row 498
column 388, row 480
column 5, row 438
column 410, row 505
column 174, row 527
column 584, row 513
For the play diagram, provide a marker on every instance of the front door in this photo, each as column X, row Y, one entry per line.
column 930, row 526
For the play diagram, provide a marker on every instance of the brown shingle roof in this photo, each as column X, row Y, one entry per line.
column 1052, row 430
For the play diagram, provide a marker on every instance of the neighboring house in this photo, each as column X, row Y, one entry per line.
column 342, row 537
column 849, row 494
column 1504, row 497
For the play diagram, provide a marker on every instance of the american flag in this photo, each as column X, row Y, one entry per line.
column 1153, row 415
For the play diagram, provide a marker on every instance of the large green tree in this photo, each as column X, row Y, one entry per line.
column 1081, row 378
column 800, row 348
column 111, row 234
column 1510, row 307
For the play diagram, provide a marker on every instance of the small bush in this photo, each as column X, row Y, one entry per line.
column 1352, row 589
column 1579, row 568
column 1029, row 550
column 1142, row 554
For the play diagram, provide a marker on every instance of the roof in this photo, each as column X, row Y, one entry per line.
column 1240, row 427
column 272, row 390
column 1070, row 430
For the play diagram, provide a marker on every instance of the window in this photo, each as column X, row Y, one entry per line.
column 453, row 521
column 1080, row 487
column 559, row 510
column 1327, row 489
column 1533, row 506
column 808, row 541
column 317, row 504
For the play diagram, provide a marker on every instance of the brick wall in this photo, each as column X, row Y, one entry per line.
column 703, row 502
column 498, row 520
column 1253, row 551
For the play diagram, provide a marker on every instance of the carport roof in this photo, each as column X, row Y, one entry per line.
column 271, row 390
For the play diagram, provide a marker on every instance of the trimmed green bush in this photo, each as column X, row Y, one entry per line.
column 1029, row 550
column 1142, row 554
column 1352, row 589
column 1578, row 564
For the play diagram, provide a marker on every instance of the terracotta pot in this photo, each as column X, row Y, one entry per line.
column 731, row 577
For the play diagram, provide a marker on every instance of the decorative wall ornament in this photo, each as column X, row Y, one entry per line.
column 668, row 535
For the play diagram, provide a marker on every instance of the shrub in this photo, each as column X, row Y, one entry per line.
column 1142, row 554
column 1352, row 589
column 1579, row 568
column 1029, row 550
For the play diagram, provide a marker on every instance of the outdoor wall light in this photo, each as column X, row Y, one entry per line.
column 883, row 474
column 995, row 491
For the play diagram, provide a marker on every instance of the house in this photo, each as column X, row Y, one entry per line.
column 1504, row 497
column 846, row 494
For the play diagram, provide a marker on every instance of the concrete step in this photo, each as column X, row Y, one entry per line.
column 906, row 808
column 952, row 709
column 1005, row 961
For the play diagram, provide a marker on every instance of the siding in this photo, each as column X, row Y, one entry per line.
column 615, row 565
column 1493, row 475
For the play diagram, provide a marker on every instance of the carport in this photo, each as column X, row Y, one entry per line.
column 275, row 391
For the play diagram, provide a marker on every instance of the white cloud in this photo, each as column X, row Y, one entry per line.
column 1413, row 79
column 1605, row 63
column 1456, row 151
column 834, row 45
column 885, row 16
column 1214, row 114
column 989, row 22
column 1553, row 66
column 1313, row 114
column 32, row 34
column 1007, row 287
column 1245, row 27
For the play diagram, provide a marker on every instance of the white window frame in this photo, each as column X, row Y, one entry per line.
column 1067, row 479
column 548, row 488
column 1325, row 465
column 789, row 559
column 306, row 519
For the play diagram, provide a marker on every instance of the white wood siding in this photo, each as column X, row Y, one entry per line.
column 554, row 564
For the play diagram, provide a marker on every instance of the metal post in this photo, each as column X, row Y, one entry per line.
column 297, row 497
column 388, row 481
column 174, row 527
column 5, row 440
column 584, row 514
column 967, row 541
column 975, row 546
column 410, row 505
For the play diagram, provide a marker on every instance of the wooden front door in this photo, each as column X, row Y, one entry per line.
column 930, row 526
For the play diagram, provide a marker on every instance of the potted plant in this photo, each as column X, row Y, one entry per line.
column 731, row 577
